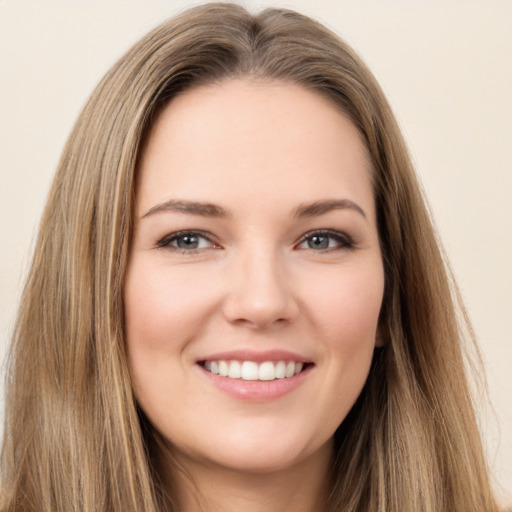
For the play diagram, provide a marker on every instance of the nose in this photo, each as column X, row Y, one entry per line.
column 260, row 291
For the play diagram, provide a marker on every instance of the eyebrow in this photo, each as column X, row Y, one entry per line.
column 190, row 207
column 322, row 207
column 313, row 209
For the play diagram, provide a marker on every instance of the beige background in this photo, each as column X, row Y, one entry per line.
column 446, row 67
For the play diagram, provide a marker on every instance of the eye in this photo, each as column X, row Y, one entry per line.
column 325, row 240
column 186, row 241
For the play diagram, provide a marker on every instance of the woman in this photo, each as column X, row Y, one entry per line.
column 237, row 299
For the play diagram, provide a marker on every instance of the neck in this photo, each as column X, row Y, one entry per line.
column 304, row 487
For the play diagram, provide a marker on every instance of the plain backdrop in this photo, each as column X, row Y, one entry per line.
column 446, row 67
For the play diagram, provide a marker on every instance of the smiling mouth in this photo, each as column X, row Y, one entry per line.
column 252, row 371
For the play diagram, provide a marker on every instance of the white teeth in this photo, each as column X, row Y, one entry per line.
column 249, row 370
column 267, row 371
column 235, row 370
column 223, row 368
column 281, row 370
column 290, row 369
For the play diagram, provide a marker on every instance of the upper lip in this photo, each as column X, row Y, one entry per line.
column 256, row 356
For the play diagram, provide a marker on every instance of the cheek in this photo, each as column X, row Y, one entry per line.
column 347, row 308
column 165, row 310
column 346, row 322
column 161, row 307
column 156, row 326
column 156, row 331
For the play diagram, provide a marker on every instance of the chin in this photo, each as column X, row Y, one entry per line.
column 260, row 454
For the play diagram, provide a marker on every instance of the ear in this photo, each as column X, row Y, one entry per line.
column 382, row 335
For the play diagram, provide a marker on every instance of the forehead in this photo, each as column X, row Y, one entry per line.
column 256, row 138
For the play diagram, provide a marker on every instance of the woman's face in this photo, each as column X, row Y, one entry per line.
column 255, row 254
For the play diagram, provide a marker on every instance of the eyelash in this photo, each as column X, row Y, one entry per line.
column 342, row 240
column 167, row 240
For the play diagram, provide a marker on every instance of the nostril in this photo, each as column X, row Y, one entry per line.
column 258, row 295
column 259, row 315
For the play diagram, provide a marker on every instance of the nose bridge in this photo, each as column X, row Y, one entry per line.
column 259, row 291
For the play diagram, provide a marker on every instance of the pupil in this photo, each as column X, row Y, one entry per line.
column 318, row 242
column 188, row 242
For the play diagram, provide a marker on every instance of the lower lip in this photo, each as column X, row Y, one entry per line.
column 257, row 390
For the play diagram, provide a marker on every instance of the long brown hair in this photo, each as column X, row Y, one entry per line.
column 74, row 439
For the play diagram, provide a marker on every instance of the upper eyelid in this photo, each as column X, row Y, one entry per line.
column 326, row 232
column 170, row 237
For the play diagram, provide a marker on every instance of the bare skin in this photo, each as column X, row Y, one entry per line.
column 214, row 488
column 255, row 253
